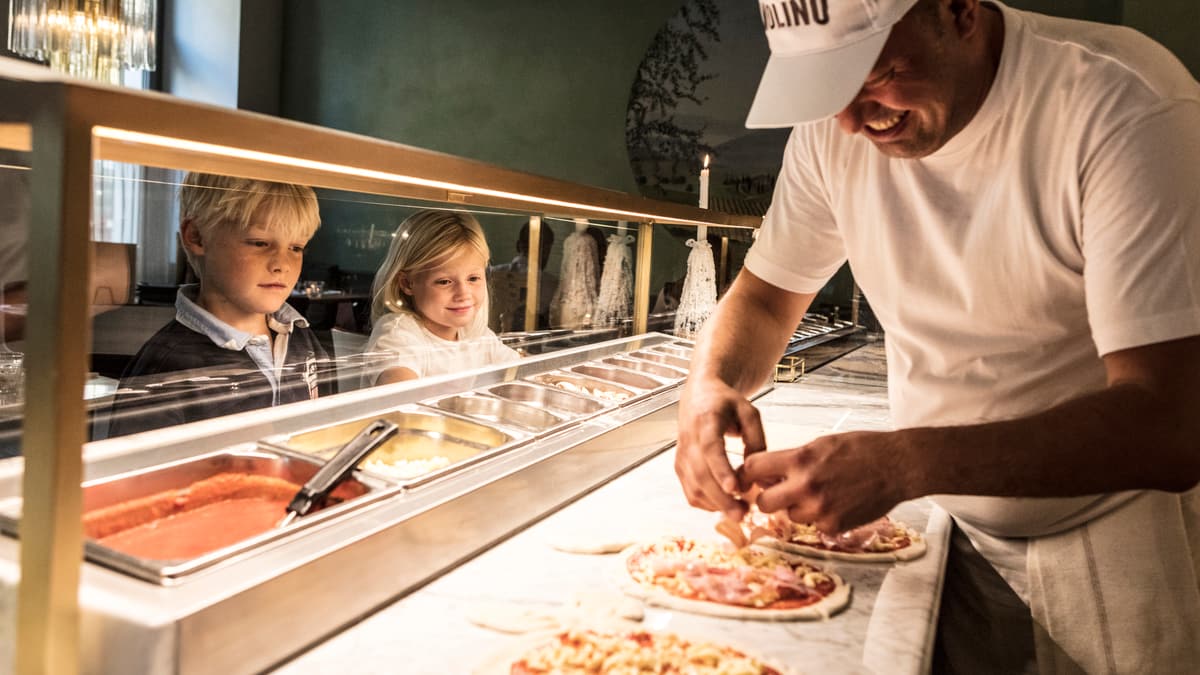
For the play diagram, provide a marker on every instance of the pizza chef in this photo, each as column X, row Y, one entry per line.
column 1019, row 198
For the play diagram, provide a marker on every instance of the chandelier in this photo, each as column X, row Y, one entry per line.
column 90, row 39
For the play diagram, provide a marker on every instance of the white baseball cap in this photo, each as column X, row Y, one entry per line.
column 821, row 53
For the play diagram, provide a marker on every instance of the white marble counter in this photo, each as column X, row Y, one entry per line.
column 887, row 627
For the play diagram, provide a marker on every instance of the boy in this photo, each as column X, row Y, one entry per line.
column 235, row 344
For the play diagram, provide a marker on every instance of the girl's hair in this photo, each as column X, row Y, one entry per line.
column 214, row 202
column 424, row 240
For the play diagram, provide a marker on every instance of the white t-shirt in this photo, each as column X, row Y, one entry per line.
column 426, row 354
column 1061, row 224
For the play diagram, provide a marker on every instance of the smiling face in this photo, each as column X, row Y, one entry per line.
column 246, row 274
column 931, row 78
column 447, row 295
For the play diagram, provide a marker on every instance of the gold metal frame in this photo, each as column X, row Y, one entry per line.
column 70, row 124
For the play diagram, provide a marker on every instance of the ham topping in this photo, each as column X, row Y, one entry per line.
column 746, row 577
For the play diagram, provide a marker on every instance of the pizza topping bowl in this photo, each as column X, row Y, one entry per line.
column 587, row 386
column 199, row 510
column 427, row 445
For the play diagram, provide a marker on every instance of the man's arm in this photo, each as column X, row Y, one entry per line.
column 735, row 353
column 1141, row 432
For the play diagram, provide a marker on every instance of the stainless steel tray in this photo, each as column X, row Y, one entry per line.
column 674, row 350
column 547, row 397
column 124, row 502
column 499, row 411
column 429, row 445
column 624, row 378
column 659, row 357
column 581, row 385
column 648, row 367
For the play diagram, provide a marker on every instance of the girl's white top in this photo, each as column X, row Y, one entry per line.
column 426, row 354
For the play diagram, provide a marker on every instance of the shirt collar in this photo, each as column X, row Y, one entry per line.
column 195, row 317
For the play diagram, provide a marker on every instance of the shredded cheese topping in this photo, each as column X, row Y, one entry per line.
column 576, row 652
column 597, row 392
column 407, row 468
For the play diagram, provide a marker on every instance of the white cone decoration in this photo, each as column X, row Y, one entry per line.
column 699, row 296
column 575, row 298
column 615, row 303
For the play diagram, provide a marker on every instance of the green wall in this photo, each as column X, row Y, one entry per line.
column 530, row 85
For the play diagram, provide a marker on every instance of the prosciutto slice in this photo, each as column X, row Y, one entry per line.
column 861, row 538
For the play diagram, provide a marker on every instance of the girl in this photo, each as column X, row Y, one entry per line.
column 429, row 300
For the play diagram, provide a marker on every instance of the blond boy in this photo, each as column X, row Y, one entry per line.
column 242, row 346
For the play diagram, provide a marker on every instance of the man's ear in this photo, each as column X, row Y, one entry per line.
column 190, row 236
column 966, row 16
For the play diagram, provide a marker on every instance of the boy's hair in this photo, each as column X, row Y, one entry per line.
column 424, row 240
column 213, row 202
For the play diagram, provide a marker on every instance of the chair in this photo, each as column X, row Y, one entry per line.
column 345, row 346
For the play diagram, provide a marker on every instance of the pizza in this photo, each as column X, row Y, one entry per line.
column 879, row 541
column 717, row 579
column 584, row 651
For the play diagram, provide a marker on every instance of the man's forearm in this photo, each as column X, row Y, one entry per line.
column 1121, row 438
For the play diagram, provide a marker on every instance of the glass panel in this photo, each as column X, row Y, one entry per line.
column 14, row 233
column 159, row 360
column 177, row 341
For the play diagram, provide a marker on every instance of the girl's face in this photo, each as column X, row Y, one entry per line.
column 448, row 295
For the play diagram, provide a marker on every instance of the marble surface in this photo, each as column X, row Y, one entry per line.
column 886, row 628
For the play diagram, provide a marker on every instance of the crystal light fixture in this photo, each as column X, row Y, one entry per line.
column 90, row 39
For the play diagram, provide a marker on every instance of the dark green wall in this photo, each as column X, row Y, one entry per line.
column 531, row 85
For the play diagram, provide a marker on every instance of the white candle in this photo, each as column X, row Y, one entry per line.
column 702, row 231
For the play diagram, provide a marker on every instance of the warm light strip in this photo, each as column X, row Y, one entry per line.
column 284, row 160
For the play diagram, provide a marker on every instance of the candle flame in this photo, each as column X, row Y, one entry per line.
column 706, row 160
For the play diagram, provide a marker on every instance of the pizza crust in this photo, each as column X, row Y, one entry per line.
column 585, row 607
column 659, row 597
column 914, row 550
column 588, row 543
column 500, row 661
column 509, row 617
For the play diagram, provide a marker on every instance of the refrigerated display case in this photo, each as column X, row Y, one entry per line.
column 502, row 445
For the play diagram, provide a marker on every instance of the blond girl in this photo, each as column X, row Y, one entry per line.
column 429, row 300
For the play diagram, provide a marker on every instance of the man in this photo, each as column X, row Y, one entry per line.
column 1017, row 195
column 508, row 280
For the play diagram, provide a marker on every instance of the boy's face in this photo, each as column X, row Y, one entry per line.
column 248, row 274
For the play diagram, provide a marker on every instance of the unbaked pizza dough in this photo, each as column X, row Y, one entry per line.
column 824, row 608
column 871, row 542
column 587, row 607
column 511, row 617
column 911, row 552
column 501, row 661
column 590, row 542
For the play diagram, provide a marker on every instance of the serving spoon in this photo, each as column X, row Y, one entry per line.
column 337, row 469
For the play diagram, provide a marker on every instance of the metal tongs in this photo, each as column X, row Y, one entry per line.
column 336, row 469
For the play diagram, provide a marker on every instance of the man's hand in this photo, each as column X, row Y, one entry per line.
column 834, row 482
column 709, row 410
column 734, row 356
